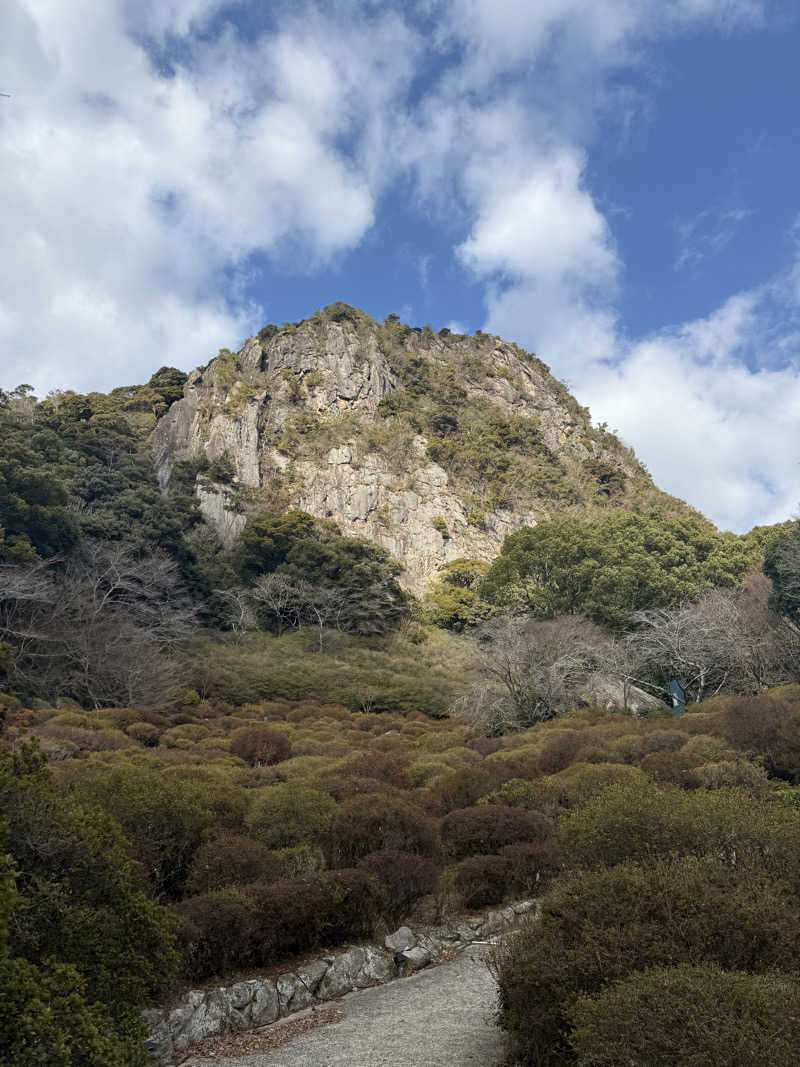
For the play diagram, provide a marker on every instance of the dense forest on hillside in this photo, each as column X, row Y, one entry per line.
column 214, row 758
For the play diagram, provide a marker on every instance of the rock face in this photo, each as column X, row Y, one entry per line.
column 320, row 417
column 260, row 1001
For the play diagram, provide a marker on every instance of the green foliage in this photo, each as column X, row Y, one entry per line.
column 93, row 450
column 596, row 928
column 635, row 822
column 48, row 1022
column 81, row 904
column 377, row 676
column 610, row 567
column 439, row 524
column 453, row 605
column 782, row 566
column 698, row 1016
column 289, row 814
column 164, row 817
column 267, row 540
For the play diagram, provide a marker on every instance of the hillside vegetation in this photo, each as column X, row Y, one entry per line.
column 218, row 752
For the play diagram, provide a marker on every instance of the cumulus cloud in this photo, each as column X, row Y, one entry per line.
column 712, row 427
column 133, row 198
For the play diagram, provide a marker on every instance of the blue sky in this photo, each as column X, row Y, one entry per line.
column 611, row 183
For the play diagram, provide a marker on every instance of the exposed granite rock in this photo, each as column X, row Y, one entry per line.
column 418, row 957
column 333, row 371
column 400, row 940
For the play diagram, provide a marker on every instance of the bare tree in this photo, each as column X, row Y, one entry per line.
column 729, row 639
column 97, row 626
column 238, row 609
column 531, row 670
column 277, row 597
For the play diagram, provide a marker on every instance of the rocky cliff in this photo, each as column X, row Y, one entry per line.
column 435, row 446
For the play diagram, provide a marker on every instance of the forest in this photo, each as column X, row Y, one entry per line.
column 215, row 759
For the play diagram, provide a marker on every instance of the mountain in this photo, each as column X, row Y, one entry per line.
column 435, row 446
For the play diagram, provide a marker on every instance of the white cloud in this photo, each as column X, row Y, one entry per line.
column 130, row 198
column 710, row 428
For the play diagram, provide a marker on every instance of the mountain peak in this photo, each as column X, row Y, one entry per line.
column 434, row 445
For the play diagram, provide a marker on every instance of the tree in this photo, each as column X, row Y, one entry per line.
column 610, row 567
column 534, row 670
column 96, row 626
column 726, row 639
column 81, row 920
column 275, row 598
column 782, row 565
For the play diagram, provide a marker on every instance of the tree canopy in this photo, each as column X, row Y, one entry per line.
column 609, row 567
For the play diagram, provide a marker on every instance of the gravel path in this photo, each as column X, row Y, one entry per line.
column 440, row 1017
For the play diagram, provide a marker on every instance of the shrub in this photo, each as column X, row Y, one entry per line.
column 165, row 817
column 260, row 746
column 47, row 1021
column 218, row 933
column 462, row 788
column 625, row 823
column 228, row 861
column 82, row 895
column 663, row 741
column 559, row 750
column 405, row 877
column 374, row 823
column 481, row 880
column 531, row 864
column 734, row 774
column 301, row 914
column 598, row 927
column 768, row 726
column 629, row 821
column 145, row 733
column 692, row 1015
column 675, row 767
column 391, row 768
column 289, row 814
column 488, row 827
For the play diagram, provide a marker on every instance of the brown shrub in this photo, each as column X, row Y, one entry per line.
column 663, row 741
column 677, row 768
column 260, row 746
column 531, row 864
column 374, row 823
column 405, row 876
column 481, row 880
column 768, row 725
column 389, row 768
column 559, row 751
column 218, row 933
column 301, row 914
column 488, row 827
column 463, row 787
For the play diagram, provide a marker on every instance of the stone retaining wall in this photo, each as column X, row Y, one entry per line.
column 260, row 1001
